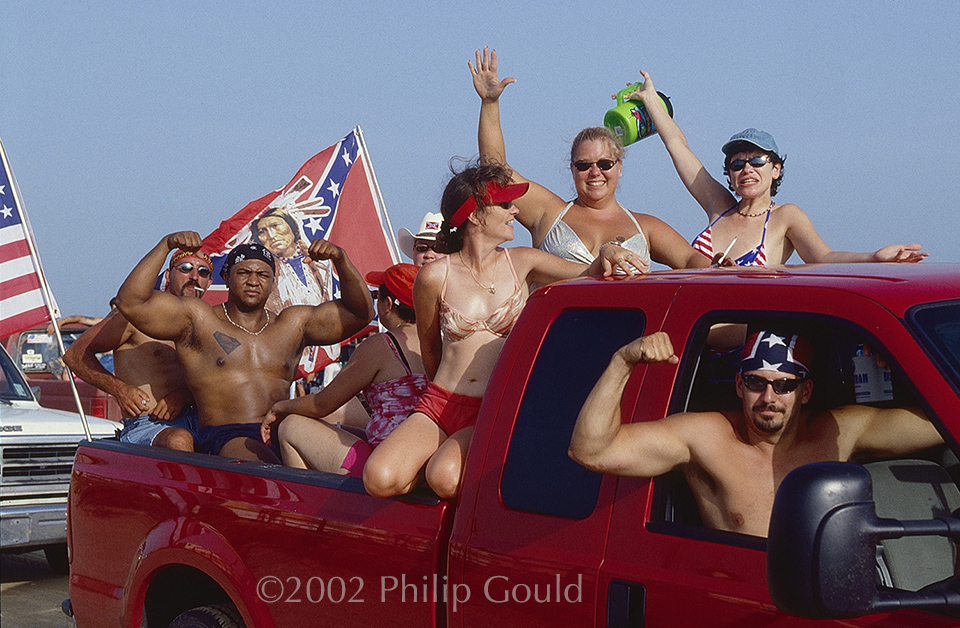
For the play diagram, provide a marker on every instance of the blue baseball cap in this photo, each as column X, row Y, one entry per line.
column 761, row 139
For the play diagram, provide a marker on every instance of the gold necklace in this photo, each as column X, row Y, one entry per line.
column 252, row 333
column 492, row 288
column 760, row 213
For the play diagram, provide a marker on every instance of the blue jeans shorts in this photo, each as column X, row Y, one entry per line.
column 142, row 430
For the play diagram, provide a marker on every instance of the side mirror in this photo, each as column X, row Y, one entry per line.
column 822, row 547
column 36, row 392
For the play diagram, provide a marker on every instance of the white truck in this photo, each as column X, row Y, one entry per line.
column 37, row 446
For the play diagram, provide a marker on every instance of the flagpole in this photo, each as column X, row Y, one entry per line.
column 44, row 287
column 368, row 163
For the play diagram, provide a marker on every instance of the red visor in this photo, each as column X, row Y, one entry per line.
column 494, row 195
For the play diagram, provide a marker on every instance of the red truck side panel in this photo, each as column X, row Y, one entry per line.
column 287, row 552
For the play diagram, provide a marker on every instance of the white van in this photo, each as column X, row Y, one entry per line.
column 38, row 447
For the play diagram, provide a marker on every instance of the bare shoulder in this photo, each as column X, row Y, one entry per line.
column 650, row 223
column 789, row 213
column 705, row 431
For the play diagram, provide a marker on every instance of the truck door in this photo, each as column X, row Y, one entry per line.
column 530, row 531
column 662, row 567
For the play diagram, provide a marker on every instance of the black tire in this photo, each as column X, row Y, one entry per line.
column 57, row 558
column 213, row 616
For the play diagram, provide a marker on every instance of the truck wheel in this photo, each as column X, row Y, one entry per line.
column 213, row 616
column 57, row 558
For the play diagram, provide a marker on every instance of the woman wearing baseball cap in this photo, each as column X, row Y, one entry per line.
column 754, row 230
column 594, row 223
column 466, row 304
column 386, row 367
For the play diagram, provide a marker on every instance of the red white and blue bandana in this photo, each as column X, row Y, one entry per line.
column 769, row 351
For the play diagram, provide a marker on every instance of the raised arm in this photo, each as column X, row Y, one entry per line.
column 489, row 87
column 107, row 335
column 157, row 314
column 601, row 443
column 812, row 249
column 712, row 195
column 339, row 319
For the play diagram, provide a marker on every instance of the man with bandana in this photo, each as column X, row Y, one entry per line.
column 239, row 358
column 734, row 461
column 148, row 381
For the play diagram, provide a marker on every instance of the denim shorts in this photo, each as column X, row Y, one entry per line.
column 142, row 430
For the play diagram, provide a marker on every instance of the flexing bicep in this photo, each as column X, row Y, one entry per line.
column 646, row 449
column 328, row 323
column 161, row 315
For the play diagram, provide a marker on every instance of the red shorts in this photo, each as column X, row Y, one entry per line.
column 452, row 412
column 356, row 457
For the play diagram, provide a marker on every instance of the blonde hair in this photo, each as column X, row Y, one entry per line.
column 596, row 134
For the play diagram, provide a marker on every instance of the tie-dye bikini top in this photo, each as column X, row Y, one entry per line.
column 455, row 326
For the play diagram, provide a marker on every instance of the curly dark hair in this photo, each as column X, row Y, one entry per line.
column 775, row 158
column 471, row 181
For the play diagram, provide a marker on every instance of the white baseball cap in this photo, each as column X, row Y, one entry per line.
column 428, row 230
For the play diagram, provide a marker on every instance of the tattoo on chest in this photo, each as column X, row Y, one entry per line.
column 227, row 343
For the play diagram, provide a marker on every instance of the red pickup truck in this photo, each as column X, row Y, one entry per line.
column 162, row 538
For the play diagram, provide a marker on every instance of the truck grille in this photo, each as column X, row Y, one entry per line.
column 37, row 463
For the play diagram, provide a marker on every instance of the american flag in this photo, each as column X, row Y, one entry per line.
column 22, row 304
column 334, row 196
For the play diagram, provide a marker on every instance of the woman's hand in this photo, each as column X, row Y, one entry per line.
column 904, row 253
column 616, row 257
column 485, row 80
column 645, row 93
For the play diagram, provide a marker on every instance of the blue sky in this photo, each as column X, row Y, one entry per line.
column 124, row 121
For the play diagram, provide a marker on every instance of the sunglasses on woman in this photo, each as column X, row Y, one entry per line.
column 187, row 267
column 603, row 164
column 780, row 386
column 757, row 162
column 423, row 247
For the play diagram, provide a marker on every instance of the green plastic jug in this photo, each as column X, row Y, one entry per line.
column 629, row 120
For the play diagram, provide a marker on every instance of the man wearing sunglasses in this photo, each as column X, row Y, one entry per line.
column 422, row 247
column 148, row 382
column 734, row 461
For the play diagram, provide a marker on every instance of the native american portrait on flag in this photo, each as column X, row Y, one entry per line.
column 333, row 196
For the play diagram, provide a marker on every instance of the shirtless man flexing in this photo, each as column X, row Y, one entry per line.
column 734, row 461
column 240, row 358
column 148, row 381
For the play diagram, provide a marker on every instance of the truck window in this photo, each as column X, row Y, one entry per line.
column 846, row 370
column 939, row 329
column 538, row 475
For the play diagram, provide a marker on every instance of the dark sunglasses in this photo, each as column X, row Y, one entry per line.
column 603, row 164
column 374, row 294
column 187, row 267
column 757, row 162
column 780, row 386
column 423, row 247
